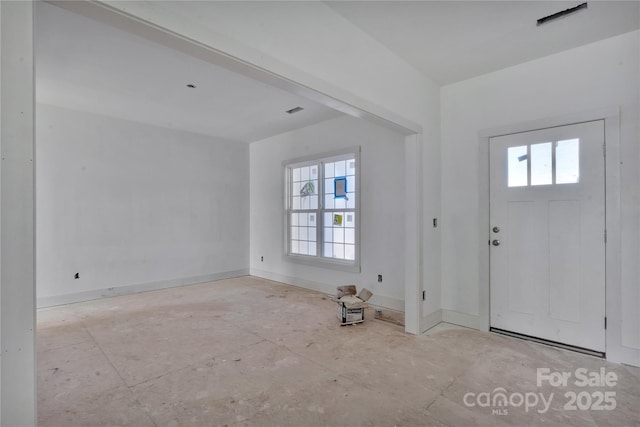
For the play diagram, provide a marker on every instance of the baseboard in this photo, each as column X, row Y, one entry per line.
column 430, row 320
column 132, row 289
column 472, row 321
column 330, row 289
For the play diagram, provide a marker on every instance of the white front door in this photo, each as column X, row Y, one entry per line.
column 547, row 236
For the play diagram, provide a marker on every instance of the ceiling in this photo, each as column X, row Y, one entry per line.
column 451, row 41
column 89, row 66
column 86, row 65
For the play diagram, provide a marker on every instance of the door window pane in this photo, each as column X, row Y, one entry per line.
column 517, row 166
column 568, row 161
column 541, row 172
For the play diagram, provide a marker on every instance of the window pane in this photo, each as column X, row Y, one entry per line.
column 294, row 247
column 351, row 184
column 328, row 186
column 350, row 235
column 311, row 234
column 350, row 219
column 340, row 203
column 338, row 250
column 313, row 202
column 329, row 201
column 305, row 188
column 295, row 202
column 338, row 219
column 541, row 164
column 303, row 219
column 568, row 161
column 328, row 234
column 328, row 219
column 313, row 172
column 517, row 165
column 295, row 190
column 304, row 173
column 294, row 219
column 304, row 203
column 312, row 248
column 296, row 174
column 338, row 235
column 294, row 233
column 349, row 252
column 303, row 248
column 351, row 167
column 328, row 170
column 341, row 168
column 328, row 250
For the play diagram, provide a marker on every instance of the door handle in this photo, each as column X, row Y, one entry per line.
column 496, row 242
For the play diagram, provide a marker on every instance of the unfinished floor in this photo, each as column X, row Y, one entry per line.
column 251, row 352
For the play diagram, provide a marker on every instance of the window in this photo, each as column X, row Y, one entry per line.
column 322, row 209
column 544, row 163
column 568, row 161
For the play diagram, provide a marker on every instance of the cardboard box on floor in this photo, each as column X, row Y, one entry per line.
column 351, row 307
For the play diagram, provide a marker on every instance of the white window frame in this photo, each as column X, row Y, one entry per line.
column 319, row 259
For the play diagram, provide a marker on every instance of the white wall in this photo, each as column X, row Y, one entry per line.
column 381, row 215
column 431, row 189
column 134, row 207
column 602, row 74
column 308, row 43
column 17, row 217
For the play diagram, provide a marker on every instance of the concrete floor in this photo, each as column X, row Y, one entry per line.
column 250, row 352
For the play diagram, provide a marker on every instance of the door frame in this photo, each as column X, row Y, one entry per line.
column 611, row 117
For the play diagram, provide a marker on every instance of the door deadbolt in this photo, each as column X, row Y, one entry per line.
column 496, row 229
column 496, row 242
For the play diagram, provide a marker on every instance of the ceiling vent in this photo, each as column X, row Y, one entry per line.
column 561, row 14
column 294, row 110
